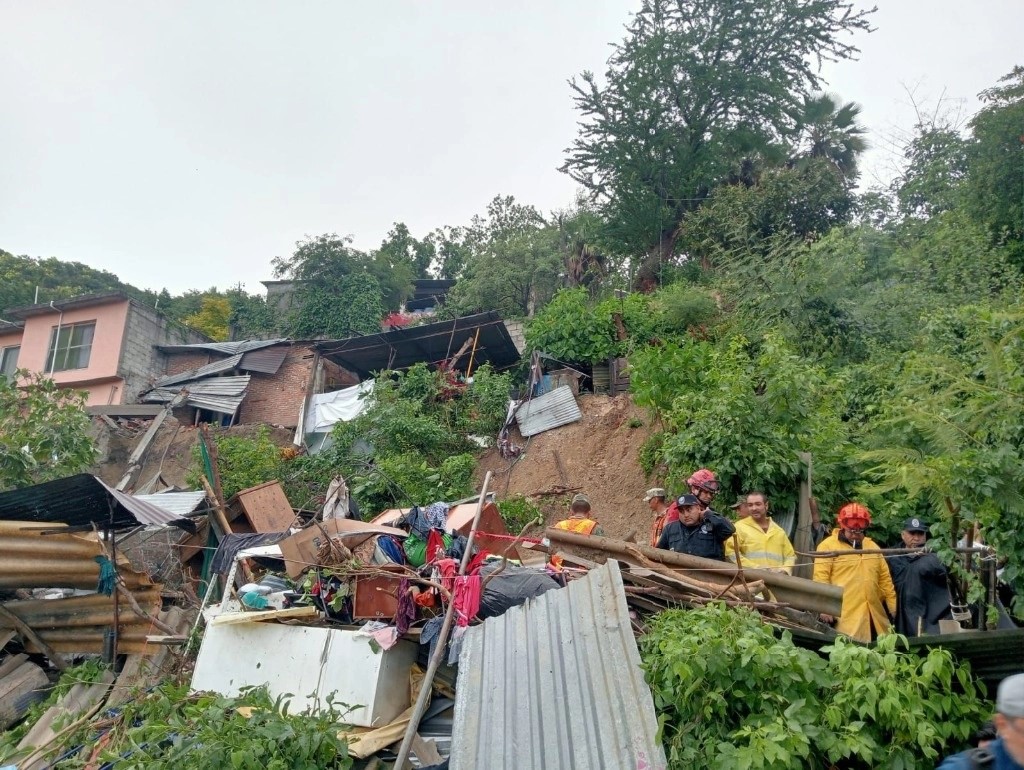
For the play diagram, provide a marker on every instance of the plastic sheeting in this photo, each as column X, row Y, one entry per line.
column 327, row 409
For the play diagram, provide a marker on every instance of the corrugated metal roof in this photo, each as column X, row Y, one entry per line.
column 549, row 411
column 215, row 367
column 224, row 348
column 556, row 683
column 82, row 500
column 265, row 360
column 178, row 503
column 218, row 394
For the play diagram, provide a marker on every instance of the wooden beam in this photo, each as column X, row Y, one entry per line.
column 292, row 613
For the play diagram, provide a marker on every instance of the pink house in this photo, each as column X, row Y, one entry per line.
column 103, row 344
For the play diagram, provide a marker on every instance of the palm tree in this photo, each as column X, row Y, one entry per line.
column 829, row 131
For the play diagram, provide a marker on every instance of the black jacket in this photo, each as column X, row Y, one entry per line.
column 921, row 592
column 707, row 539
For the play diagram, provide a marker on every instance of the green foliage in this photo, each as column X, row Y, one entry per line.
column 44, row 431
column 684, row 308
column 518, row 511
column 730, row 694
column 169, row 728
column 745, row 412
column 407, row 479
column 213, row 318
column 694, row 87
column 243, row 461
column 571, row 330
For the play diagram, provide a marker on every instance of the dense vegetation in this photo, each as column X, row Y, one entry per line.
column 731, row 694
column 411, row 446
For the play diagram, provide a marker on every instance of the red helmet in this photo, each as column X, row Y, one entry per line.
column 854, row 512
column 704, row 479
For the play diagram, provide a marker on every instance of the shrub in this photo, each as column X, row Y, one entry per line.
column 517, row 512
column 243, row 462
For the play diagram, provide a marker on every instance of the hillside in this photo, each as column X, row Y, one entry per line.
column 599, row 454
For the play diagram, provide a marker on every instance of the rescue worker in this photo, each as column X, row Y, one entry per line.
column 704, row 486
column 869, row 598
column 655, row 499
column 697, row 532
column 1007, row 751
column 922, row 591
column 762, row 542
column 740, row 506
column 579, row 520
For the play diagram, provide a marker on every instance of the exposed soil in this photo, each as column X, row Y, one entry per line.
column 599, row 454
column 170, row 454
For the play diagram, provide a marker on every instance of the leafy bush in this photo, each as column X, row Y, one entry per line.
column 731, row 694
column 571, row 330
column 685, row 308
column 517, row 512
column 243, row 462
column 169, row 728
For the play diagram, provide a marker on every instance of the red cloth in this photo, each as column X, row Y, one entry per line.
column 672, row 512
column 447, row 569
column 467, row 598
column 435, row 546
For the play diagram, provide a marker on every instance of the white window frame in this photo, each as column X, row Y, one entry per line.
column 5, row 354
column 70, row 354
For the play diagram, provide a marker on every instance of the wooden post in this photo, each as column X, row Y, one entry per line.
column 804, row 541
column 442, row 641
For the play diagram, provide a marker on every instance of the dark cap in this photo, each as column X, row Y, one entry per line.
column 685, row 500
column 915, row 524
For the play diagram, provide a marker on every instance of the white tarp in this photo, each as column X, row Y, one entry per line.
column 326, row 409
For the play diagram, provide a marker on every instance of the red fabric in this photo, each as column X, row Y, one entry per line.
column 448, row 569
column 672, row 512
column 476, row 562
column 435, row 546
column 425, row 598
column 467, row 598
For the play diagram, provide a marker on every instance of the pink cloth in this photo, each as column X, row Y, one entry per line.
column 466, row 598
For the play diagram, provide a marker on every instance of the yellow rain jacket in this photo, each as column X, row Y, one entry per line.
column 758, row 548
column 866, row 585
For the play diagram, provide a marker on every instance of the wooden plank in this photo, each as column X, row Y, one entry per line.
column 5, row 637
column 12, row 662
column 21, row 688
column 292, row 613
column 426, row 751
column 266, row 507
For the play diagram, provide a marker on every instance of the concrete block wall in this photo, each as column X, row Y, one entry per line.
column 141, row 363
column 517, row 331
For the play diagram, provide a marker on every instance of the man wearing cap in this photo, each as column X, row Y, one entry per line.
column 697, row 531
column 763, row 543
column 922, row 593
column 579, row 520
column 1007, row 751
column 655, row 499
column 869, row 598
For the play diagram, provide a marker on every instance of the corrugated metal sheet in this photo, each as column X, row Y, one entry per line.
column 556, row 683
column 177, row 503
column 265, row 360
column 218, row 394
column 216, row 367
column 551, row 410
column 82, row 500
column 225, row 348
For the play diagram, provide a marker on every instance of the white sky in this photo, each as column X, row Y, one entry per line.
column 184, row 144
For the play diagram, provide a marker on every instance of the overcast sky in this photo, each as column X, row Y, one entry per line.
column 185, row 144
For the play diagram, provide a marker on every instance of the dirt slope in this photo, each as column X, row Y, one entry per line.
column 599, row 454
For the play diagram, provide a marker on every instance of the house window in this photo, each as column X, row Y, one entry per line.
column 9, row 360
column 70, row 347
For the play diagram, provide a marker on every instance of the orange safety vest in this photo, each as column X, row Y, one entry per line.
column 579, row 526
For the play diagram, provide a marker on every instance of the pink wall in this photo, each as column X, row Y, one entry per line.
column 101, row 373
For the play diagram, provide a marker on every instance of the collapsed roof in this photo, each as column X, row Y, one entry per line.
column 430, row 343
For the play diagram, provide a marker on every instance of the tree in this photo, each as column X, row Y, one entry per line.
column 936, row 166
column 251, row 316
column 514, row 261
column 338, row 293
column 401, row 247
column 995, row 178
column 829, row 131
column 683, row 95
column 44, row 431
column 213, row 318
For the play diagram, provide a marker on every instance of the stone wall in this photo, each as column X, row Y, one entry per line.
column 140, row 362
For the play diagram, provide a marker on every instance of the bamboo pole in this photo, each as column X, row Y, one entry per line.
column 442, row 641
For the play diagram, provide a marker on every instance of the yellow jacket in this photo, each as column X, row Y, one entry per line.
column 758, row 548
column 866, row 585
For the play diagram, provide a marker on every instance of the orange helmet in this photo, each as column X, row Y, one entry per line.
column 854, row 512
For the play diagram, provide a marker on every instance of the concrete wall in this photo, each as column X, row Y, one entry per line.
column 517, row 332
column 141, row 363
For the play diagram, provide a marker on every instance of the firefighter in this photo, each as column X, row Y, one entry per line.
column 869, row 598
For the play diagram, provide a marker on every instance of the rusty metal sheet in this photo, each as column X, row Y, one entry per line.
column 215, row 367
column 556, row 683
column 218, row 394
